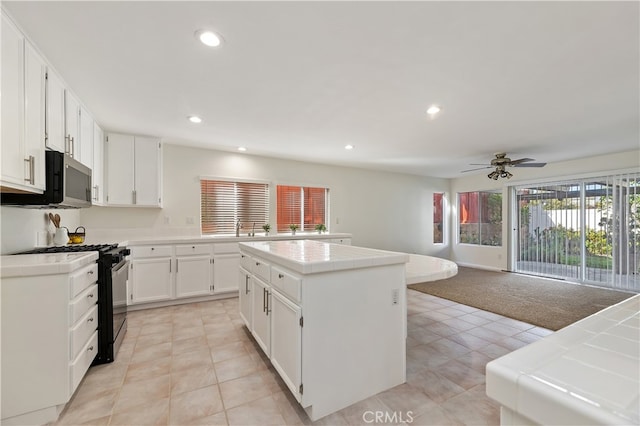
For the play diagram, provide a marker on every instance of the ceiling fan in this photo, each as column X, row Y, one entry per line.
column 501, row 162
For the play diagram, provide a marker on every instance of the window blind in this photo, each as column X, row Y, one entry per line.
column 224, row 203
column 303, row 206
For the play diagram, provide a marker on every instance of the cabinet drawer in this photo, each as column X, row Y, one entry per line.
column 246, row 262
column 261, row 269
column 82, row 303
column 151, row 251
column 82, row 330
column 287, row 283
column 188, row 249
column 81, row 363
column 82, row 279
column 226, row 248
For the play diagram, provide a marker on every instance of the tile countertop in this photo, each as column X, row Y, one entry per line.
column 586, row 373
column 217, row 238
column 309, row 257
column 26, row 265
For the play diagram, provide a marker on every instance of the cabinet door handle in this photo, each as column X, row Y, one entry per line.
column 280, row 276
column 90, row 295
column 246, row 284
column 257, row 263
column 90, row 349
column 264, row 300
column 90, row 272
column 169, row 265
column 268, row 294
column 134, row 197
column 90, row 319
column 31, row 162
column 67, row 143
column 176, row 265
column 72, row 149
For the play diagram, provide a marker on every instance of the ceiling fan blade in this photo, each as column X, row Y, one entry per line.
column 479, row 164
column 479, row 168
column 529, row 165
column 521, row 160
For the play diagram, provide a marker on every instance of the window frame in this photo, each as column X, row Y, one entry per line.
column 267, row 202
column 301, row 225
column 480, row 216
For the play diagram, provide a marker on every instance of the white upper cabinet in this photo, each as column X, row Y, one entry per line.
column 133, row 170
column 71, row 125
column 147, row 171
column 55, row 112
column 22, row 116
column 97, row 171
column 86, row 138
column 35, row 70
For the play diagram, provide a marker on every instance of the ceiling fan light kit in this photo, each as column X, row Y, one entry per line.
column 501, row 162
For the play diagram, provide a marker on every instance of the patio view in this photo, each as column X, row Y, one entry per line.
column 584, row 230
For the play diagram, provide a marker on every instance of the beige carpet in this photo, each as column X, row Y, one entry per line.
column 546, row 303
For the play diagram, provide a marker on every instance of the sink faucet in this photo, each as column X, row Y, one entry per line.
column 238, row 228
column 253, row 230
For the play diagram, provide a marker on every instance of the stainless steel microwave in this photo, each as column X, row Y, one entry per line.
column 67, row 185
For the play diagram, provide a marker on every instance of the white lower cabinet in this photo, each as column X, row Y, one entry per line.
column 193, row 276
column 49, row 340
column 286, row 341
column 225, row 268
column 261, row 323
column 245, row 292
column 150, row 280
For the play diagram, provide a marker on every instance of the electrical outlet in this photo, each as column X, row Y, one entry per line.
column 395, row 296
column 190, row 220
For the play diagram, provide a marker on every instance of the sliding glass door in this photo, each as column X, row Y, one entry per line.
column 585, row 230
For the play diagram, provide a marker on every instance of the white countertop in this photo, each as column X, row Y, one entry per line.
column 223, row 238
column 421, row 269
column 586, row 373
column 309, row 257
column 25, row 265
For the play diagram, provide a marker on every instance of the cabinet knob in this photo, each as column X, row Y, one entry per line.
column 280, row 276
column 257, row 263
column 90, row 319
column 90, row 272
column 90, row 295
column 90, row 349
column 193, row 247
column 152, row 248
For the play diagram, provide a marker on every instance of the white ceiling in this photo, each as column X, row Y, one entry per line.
column 299, row 80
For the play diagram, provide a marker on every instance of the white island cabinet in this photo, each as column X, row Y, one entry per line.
column 49, row 332
column 330, row 317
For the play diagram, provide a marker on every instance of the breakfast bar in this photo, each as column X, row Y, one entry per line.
column 331, row 318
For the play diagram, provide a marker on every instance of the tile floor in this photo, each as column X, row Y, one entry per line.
column 197, row 364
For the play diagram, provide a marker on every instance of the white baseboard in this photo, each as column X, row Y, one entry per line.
column 484, row 267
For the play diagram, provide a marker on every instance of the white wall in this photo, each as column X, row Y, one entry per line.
column 496, row 257
column 382, row 210
column 20, row 226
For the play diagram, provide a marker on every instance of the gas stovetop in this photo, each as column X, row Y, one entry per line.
column 103, row 248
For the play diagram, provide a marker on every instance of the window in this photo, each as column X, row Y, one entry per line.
column 302, row 206
column 438, row 218
column 480, row 218
column 223, row 203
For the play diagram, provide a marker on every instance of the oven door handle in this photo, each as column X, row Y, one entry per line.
column 120, row 266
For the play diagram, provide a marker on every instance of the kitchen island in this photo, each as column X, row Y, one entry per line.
column 331, row 318
column 588, row 373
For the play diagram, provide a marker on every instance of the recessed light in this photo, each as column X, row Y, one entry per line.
column 349, row 147
column 209, row 38
column 195, row 119
column 433, row 110
column 242, row 148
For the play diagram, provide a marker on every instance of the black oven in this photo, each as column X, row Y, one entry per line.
column 113, row 269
